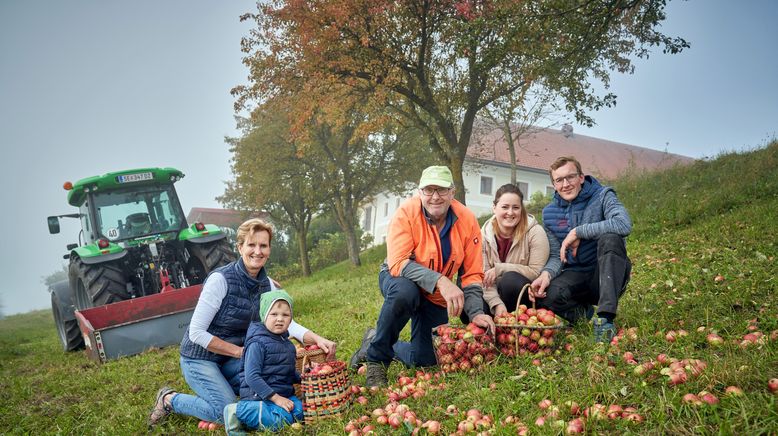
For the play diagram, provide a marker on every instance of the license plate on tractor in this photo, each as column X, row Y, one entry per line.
column 137, row 177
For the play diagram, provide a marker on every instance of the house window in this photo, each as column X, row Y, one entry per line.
column 549, row 191
column 524, row 188
column 386, row 208
column 368, row 218
column 486, row 185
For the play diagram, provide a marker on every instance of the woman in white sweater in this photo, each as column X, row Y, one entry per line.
column 515, row 249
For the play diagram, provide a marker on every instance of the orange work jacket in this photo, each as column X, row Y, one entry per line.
column 411, row 238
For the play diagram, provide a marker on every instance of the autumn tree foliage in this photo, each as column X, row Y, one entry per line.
column 438, row 63
column 357, row 149
column 321, row 147
column 269, row 174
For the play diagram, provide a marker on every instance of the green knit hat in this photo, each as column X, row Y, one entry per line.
column 268, row 299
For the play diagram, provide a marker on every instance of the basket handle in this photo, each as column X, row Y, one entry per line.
column 521, row 294
column 305, row 362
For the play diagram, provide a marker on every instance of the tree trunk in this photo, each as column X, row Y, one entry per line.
column 353, row 246
column 346, row 217
column 456, row 164
column 302, row 245
column 511, row 149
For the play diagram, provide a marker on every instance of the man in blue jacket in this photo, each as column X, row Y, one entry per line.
column 586, row 225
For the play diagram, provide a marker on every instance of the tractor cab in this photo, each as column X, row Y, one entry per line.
column 125, row 215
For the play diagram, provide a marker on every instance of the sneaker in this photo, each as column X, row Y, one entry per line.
column 360, row 356
column 376, row 375
column 232, row 424
column 160, row 411
column 604, row 330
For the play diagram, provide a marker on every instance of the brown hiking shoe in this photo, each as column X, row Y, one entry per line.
column 160, row 411
column 376, row 375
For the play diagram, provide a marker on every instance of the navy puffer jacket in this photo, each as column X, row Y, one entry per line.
column 267, row 365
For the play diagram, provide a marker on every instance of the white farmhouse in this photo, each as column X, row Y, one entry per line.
column 487, row 167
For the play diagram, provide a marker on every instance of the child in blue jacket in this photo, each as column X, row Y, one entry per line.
column 268, row 373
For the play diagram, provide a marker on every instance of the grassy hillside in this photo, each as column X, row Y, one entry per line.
column 704, row 259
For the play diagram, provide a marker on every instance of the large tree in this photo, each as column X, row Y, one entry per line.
column 440, row 62
column 270, row 175
column 358, row 150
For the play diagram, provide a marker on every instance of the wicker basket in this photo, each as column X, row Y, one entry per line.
column 325, row 395
column 519, row 339
column 311, row 356
column 459, row 349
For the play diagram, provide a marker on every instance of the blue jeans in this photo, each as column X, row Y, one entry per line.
column 403, row 301
column 214, row 385
column 267, row 415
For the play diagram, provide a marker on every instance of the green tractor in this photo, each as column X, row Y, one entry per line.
column 134, row 242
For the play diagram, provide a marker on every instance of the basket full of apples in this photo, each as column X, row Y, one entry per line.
column 462, row 348
column 527, row 330
column 326, row 389
column 311, row 354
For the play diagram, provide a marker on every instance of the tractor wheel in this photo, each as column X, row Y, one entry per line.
column 205, row 258
column 68, row 331
column 97, row 284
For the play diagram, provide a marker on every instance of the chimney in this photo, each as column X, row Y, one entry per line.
column 567, row 130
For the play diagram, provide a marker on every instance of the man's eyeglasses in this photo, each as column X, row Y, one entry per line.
column 442, row 192
column 570, row 178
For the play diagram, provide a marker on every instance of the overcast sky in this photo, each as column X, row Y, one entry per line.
column 88, row 87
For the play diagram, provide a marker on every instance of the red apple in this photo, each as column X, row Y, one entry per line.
column 733, row 391
column 433, row 427
column 575, row 426
column 772, row 384
column 714, row 339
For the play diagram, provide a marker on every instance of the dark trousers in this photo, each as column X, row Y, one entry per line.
column 571, row 292
column 403, row 302
column 508, row 288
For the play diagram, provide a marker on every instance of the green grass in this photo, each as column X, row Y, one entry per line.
column 692, row 224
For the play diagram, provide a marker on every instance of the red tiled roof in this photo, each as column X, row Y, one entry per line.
column 220, row 217
column 602, row 158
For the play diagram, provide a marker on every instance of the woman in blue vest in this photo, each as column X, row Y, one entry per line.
column 213, row 343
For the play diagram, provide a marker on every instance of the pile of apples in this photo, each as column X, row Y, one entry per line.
column 677, row 371
column 521, row 332
column 578, row 416
column 475, row 421
column 463, row 348
column 393, row 415
column 322, row 368
column 415, row 387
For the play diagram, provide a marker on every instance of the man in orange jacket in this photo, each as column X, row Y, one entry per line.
column 431, row 238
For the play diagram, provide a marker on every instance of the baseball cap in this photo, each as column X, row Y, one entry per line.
column 437, row 175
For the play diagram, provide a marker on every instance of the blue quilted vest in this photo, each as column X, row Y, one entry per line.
column 278, row 363
column 239, row 307
column 562, row 216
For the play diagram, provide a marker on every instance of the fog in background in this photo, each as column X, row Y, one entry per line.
column 88, row 87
